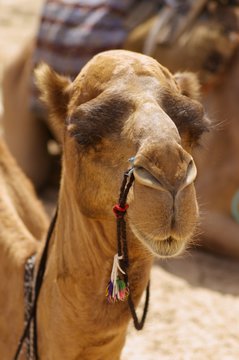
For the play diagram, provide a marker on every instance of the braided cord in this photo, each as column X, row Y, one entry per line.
column 38, row 284
column 123, row 249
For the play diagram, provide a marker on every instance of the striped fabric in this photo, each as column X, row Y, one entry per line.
column 72, row 31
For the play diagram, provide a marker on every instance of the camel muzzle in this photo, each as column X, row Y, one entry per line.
column 148, row 178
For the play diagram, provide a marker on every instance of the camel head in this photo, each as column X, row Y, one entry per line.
column 124, row 105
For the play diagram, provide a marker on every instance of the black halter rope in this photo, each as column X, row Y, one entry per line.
column 120, row 211
column 38, row 284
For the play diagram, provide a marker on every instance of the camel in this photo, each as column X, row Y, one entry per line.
column 23, row 227
column 122, row 104
column 208, row 46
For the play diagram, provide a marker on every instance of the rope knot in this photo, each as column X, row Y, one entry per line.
column 120, row 211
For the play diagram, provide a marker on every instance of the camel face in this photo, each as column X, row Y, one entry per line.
column 124, row 104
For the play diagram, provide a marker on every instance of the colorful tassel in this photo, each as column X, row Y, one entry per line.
column 117, row 289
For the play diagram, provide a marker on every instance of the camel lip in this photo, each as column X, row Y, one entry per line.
column 169, row 240
column 170, row 247
column 167, row 248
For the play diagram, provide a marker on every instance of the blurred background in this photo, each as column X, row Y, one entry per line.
column 195, row 298
column 18, row 23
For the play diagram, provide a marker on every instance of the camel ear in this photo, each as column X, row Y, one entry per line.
column 188, row 84
column 55, row 93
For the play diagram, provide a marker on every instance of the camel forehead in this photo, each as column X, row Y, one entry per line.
column 118, row 61
column 123, row 66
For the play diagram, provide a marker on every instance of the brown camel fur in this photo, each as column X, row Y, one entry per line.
column 206, row 49
column 122, row 104
column 34, row 134
column 23, row 226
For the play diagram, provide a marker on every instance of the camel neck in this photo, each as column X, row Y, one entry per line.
column 78, row 271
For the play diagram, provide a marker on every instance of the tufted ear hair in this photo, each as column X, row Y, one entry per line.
column 188, row 84
column 55, row 93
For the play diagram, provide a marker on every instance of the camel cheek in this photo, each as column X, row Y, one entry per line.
column 151, row 210
column 186, row 212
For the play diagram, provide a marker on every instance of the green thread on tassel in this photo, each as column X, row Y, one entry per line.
column 117, row 289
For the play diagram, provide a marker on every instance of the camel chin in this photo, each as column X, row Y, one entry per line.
column 162, row 248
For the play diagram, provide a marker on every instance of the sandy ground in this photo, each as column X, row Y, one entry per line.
column 194, row 307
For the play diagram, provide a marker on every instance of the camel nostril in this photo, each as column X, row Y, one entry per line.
column 191, row 173
column 190, row 176
column 190, row 165
column 146, row 178
column 160, row 178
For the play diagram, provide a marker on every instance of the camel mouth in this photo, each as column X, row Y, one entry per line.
column 162, row 248
column 170, row 247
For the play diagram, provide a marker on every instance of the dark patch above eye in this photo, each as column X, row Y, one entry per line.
column 97, row 119
column 187, row 114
